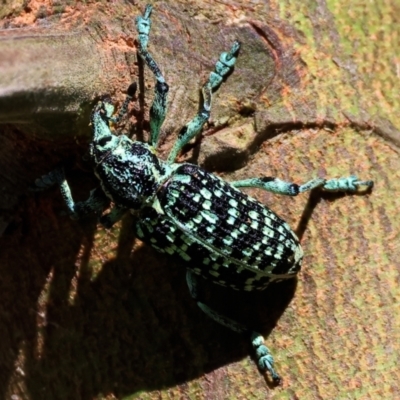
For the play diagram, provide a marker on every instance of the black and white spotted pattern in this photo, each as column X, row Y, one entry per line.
column 223, row 234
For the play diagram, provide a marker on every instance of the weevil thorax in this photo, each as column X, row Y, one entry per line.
column 129, row 172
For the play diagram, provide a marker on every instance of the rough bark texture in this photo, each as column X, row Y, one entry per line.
column 87, row 313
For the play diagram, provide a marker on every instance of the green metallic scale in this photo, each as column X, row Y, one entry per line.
column 223, row 234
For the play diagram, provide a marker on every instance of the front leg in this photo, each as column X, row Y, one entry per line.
column 223, row 68
column 95, row 204
column 158, row 109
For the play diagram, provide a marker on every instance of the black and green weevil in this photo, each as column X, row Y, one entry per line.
column 221, row 233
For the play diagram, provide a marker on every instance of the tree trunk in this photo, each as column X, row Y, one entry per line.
column 88, row 313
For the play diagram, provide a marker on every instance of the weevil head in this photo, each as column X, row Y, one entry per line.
column 103, row 141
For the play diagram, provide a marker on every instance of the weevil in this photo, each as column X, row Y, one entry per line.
column 221, row 233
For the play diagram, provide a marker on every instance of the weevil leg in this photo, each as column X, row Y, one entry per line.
column 192, row 283
column 48, row 180
column 223, row 67
column 116, row 213
column 265, row 361
column 124, row 108
column 93, row 205
column 158, row 109
column 275, row 185
column 346, row 184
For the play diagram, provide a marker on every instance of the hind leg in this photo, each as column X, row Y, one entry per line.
column 275, row 185
column 265, row 361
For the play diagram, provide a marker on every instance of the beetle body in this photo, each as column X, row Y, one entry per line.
column 223, row 234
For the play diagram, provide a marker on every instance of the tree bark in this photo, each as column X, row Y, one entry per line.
column 88, row 313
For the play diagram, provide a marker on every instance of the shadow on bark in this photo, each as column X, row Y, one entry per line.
column 131, row 326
